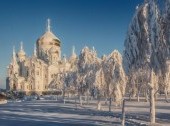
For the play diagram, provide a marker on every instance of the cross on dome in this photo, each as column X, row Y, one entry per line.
column 14, row 55
column 73, row 50
column 21, row 45
column 48, row 25
column 14, row 51
column 35, row 51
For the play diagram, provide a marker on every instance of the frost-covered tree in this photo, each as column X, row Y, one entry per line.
column 145, row 38
column 115, row 77
column 164, row 81
column 88, row 64
column 145, row 46
column 166, row 24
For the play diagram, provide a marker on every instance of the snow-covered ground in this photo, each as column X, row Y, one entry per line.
column 56, row 113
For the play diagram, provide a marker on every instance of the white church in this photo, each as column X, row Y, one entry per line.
column 38, row 72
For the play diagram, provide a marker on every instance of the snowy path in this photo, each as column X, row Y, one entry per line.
column 55, row 113
column 51, row 113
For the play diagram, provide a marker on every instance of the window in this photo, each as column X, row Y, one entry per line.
column 37, row 72
column 45, row 76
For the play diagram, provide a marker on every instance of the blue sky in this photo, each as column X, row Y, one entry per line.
column 99, row 23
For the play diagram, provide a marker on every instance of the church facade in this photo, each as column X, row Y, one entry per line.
column 38, row 72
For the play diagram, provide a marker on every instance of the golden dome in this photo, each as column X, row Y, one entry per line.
column 48, row 38
column 21, row 53
column 53, row 50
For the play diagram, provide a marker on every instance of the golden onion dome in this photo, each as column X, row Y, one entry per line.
column 48, row 38
column 53, row 50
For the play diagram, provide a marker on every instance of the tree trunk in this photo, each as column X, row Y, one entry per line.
column 130, row 97
column 80, row 99
column 88, row 98
column 98, row 103
column 85, row 98
column 166, row 95
column 156, row 96
column 63, row 95
column 138, row 97
column 123, row 113
column 146, row 96
column 110, row 104
column 152, row 106
column 105, row 101
column 75, row 101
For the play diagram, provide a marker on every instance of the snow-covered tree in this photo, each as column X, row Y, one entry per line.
column 88, row 64
column 166, row 24
column 115, row 77
column 145, row 46
column 144, row 39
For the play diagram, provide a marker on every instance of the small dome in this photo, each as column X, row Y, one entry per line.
column 21, row 53
column 74, row 56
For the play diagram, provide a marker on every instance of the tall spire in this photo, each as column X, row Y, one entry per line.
column 73, row 53
column 73, row 50
column 35, row 51
column 48, row 25
column 14, row 59
column 64, row 58
column 14, row 54
column 21, row 46
column 93, row 49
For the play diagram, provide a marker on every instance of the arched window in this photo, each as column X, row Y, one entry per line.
column 38, row 73
column 45, row 75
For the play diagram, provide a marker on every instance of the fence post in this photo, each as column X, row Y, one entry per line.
column 123, row 113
